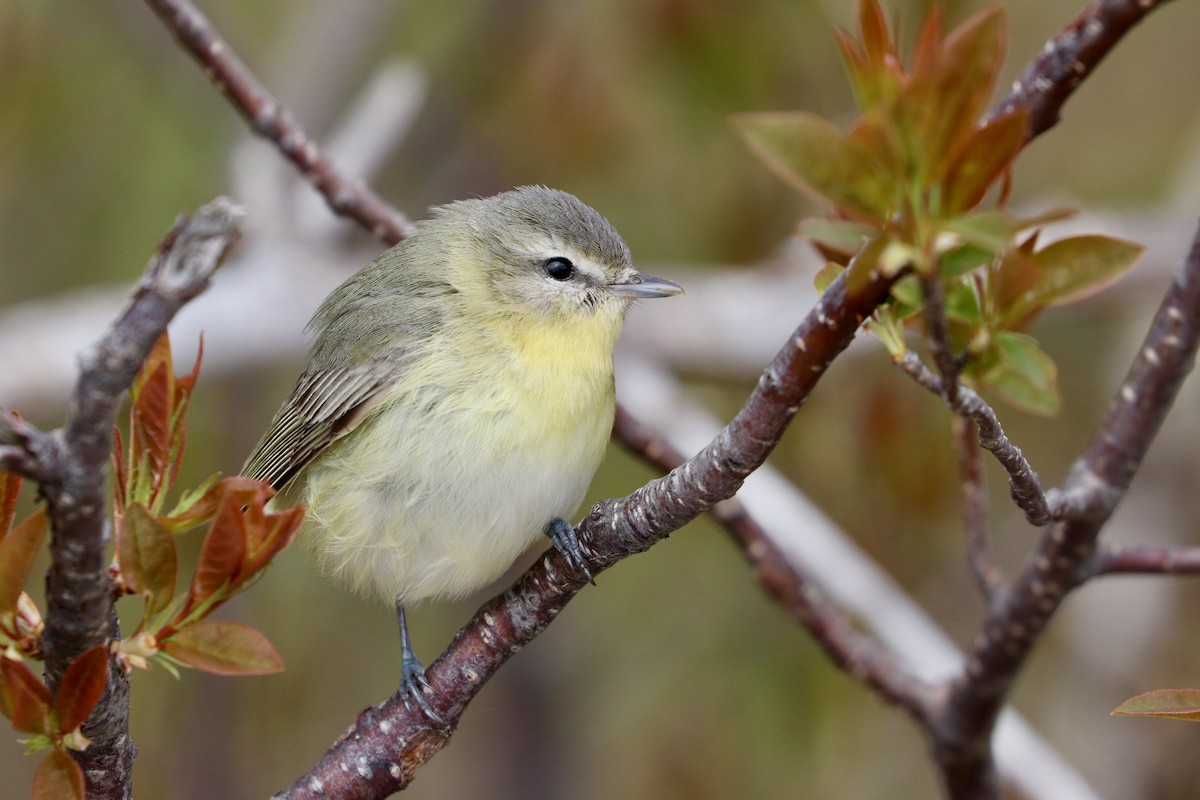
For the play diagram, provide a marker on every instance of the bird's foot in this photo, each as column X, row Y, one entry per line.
column 566, row 541
column 413, row 684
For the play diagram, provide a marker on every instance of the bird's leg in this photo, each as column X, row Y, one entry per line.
column 566, row 541
column 412, row 674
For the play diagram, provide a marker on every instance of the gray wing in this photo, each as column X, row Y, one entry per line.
column 324, row 406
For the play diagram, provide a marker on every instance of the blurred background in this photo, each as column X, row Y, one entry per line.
column 674, row 677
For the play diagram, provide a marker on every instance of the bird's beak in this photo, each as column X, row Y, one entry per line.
column 637, row 285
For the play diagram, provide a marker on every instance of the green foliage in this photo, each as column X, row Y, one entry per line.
column 906, row 186
column 240, row 540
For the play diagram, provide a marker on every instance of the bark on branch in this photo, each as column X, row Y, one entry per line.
column 71, row 468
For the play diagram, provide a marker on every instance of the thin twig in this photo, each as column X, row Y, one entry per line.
column 1040, row 506
column 27, row 451
column 937, row 338
column 1143, row 559
column 271, row 120
column 853, row 651
column 979, row 554
column 78, row 596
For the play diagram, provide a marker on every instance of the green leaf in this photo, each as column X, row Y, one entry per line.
column 17, row 551
column 815, row 157
column 81, row 687
column 58, row 777
column 890, row 331
column 962, row 302
column 1074, row 268
column 1022, row 374
column 194, row 509
column 988, row 230
column 1170, row 703
column 146, row 554
column 963, row 259
column 224, row 648
column 907, row 292
column 827, row 275
column 837, row 239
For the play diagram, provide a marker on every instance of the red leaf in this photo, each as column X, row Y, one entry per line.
column 146, row 555
column 81, row 687
column 8, row 501
column 17, row 551
column 982, row 158
column 224, row 648
column 188, row 382
column 942, row 103
column 929, row 43
column 193, row 511
column 24, row 698
column 223, row 551
column 278, row 532
column 151, row 428
column 58, row 777
column 120, row 475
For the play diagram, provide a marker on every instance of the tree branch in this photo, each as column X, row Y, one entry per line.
column 1040, row 506
column 275, row 123
column 1098, row 483
column 1069, row 58
column 74, row 481
column 1146, row 560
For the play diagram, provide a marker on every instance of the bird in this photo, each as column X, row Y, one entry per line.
column 457, row 400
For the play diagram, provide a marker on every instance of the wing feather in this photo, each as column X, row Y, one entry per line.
column 324, row 406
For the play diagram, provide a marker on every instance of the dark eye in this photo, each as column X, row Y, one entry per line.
column 559, row 268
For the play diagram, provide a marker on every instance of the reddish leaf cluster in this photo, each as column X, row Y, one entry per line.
column 241, row 539
column 239, row 543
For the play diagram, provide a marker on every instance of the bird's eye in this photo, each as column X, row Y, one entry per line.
column 559, row 268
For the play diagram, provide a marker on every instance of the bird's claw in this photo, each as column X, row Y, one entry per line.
column 566, row 541
column 413, row 684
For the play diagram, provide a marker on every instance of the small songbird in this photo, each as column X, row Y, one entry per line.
column 457, row 400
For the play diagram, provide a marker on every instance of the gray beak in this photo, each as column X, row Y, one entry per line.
column 639, row 286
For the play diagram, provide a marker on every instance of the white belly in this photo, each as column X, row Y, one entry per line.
column 437, row 500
